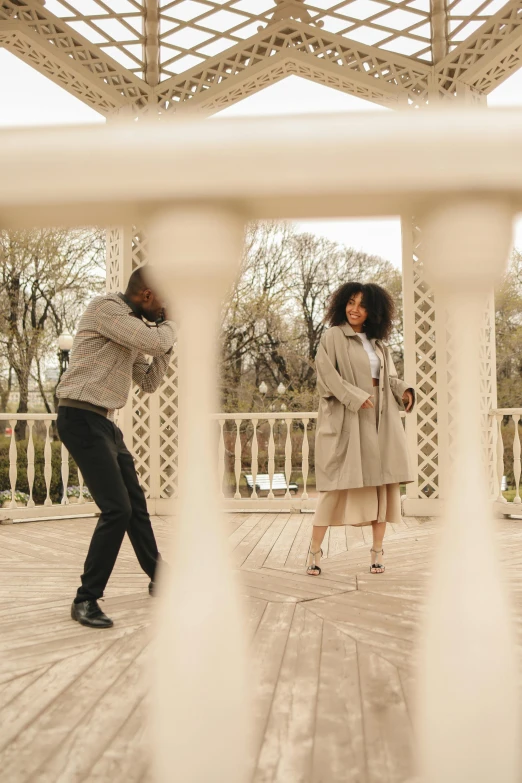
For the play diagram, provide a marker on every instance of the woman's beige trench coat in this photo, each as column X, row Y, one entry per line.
column 350, row 451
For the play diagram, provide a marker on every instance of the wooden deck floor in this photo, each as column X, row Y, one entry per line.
column 334, row 701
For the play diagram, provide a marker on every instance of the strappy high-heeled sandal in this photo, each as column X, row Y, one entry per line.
column 312, row 563
column 374, row 566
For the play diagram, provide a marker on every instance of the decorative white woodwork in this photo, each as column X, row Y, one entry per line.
column 200, row 661
column 18, row 512
column 497, row 418
column 221, row 457
column 468, row 715
column 305, row 455
column 254, row 457
column 13, row 459
column 48, row 468
column 237, row 458
column 271, row 457
column 64, row 455
column 265, row 426
column 467, row 706
column 288, row 456
column 293, row 47
column 30, row 462
column 486, row 57
column 149, row 56
column 516, row 459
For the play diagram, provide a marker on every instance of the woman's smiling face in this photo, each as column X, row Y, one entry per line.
column 356, row 314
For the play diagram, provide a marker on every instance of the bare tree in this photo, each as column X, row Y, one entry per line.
column 274, row 318
column 47, row 276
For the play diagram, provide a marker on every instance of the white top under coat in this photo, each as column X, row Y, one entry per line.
column 375, row 362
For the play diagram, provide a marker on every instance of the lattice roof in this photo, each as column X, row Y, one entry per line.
column 146, row 53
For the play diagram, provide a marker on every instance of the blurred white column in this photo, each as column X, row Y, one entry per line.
column 200, row 706
column 468, row 695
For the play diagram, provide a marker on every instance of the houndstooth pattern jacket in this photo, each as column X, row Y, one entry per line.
column 109, row 354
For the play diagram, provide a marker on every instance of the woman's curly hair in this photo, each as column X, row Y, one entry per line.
column 375, row 299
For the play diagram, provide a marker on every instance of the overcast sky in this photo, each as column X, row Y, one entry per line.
column 28, row 98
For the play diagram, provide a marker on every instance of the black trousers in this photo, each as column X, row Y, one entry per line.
column 97, row 447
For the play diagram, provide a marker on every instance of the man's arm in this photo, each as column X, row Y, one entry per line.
column 149, row 376
column 115, row 323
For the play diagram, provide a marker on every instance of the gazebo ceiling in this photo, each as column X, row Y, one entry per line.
column 138, row 55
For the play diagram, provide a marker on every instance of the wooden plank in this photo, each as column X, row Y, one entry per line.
column 78, row 752
column 337, row 542
column 287, row 748
column 299, row 550
column 248, row 523
column 281, row 549
column 388, row 734
column 34, row 699
column 339, row 750
column 126, row 758
column 246, row 546
column 267, row 653
column 265, row 544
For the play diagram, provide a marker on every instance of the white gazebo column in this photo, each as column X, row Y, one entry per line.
column 428, row 361
column 467, row 643
column 425, row 365
column 141, row 420
column 200, row 707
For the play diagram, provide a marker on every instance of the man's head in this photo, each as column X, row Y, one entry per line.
column 143, row 297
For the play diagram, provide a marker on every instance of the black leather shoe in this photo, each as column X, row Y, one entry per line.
column 152, row 588
column 89, row 613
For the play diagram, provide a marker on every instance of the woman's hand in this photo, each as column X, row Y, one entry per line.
column 407, row 399
column 368, row 403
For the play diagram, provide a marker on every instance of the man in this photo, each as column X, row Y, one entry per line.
column 108, row 355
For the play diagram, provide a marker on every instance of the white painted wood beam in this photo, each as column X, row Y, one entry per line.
column 498, row 40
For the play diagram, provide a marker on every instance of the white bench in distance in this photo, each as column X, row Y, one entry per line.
column 263, row 483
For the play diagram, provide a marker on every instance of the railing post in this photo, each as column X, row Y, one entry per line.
column 468, row 696
column 254, row 461
column 13, row 462
column 500, row 457
column 221, row 456
column 196, row 250
column 237, row 458
column 517, row 466
column 305, row 459
column 30, row 462
column 271, row 457
column 288, row 456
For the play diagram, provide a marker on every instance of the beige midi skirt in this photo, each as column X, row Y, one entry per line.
column 359, row 506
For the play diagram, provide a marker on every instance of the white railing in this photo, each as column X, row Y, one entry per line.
column 266, row 440
column 248, row 443
column 514, row 414
column 13, row 509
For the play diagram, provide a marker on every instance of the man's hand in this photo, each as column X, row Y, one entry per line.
column 368, row 403
column 407, row 399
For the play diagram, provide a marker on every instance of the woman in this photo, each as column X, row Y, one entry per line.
column 360, row 449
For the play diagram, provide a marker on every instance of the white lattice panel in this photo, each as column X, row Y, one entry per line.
column 426, row 411
column 397, row 79
column 168, row 432
column 115, row 26
column 488, row 389
column 141, row 427
column 192, row 32
column 465, row 17
column 53, row 47
column 488, row 55
column 142, row 437
column 114, row 240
